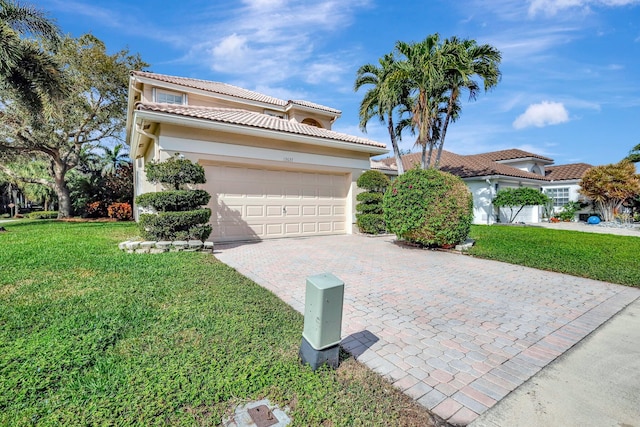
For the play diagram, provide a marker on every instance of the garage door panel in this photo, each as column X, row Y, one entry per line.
column 309, row 227
column 245, row 203
column 292, row 210
column 275, row 210
column 255, row 211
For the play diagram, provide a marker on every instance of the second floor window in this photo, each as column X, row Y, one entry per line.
column 170, row 98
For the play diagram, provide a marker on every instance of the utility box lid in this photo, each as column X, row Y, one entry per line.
column 323, row 310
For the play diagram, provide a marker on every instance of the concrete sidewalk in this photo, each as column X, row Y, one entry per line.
column 596, row 383
column 589, row 228
column 455, row 333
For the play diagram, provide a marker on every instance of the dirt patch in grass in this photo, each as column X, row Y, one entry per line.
column 410, row 413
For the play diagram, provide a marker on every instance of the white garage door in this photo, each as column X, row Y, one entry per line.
column 252, row 204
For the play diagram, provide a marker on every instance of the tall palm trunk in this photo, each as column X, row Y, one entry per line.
column 394, row 144
column 444, row 127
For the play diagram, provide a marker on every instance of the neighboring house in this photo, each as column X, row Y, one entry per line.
column 274, row 168
column 486, row 173
column 563, row 185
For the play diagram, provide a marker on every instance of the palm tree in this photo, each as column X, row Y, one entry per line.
column 465, row 59
column 421, row 70
column 634, row 154
column 381, row 99
column 114, row 158
column 29, row 73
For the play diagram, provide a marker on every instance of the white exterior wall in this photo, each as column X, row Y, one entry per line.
column 483, row 194
column 574, row 194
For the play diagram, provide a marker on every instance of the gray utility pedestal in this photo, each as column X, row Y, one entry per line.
column 322, row 321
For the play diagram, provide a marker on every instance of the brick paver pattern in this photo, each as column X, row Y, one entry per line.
column 454, row 332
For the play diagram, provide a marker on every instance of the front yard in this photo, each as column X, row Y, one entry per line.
column 606, row 257
column 93, row 336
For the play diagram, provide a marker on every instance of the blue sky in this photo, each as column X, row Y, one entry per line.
column 569, row 86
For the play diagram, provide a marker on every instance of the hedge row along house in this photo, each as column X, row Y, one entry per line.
column 275, row 168
column 486, row 173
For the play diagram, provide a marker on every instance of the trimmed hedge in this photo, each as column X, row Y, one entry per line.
column 369, row 218
column 176, row 225
column 42, row 215
column 429, row 207
column 371, row 223
column 174, row 200
column 175, row 172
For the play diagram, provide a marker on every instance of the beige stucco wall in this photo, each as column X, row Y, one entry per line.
column 206, row 147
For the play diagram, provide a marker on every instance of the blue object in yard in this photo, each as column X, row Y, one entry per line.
column 593, row 220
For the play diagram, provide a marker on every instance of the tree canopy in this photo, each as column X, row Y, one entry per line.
column 93, row 112
column 28, row 71
column 520, row 197
column 609, row 186
column 421, row 83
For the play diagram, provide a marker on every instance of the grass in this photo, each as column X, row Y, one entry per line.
column 606, row 257
column 93, row 336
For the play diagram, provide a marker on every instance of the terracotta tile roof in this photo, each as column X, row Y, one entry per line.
column 215, row 87
column 565, row 172
column 467, row 166
column 253, row 119
column 314, row 105
column 230, row 90
column 511, row 154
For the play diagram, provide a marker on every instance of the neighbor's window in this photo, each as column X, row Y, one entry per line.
column 560, row 196
column 170, row 98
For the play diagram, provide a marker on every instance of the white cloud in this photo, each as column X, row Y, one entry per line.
column 552, row 7
column 543, row 114
column 272, row 41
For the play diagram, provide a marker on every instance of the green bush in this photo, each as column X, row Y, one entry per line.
column 174, row 200
column 179, row 216
column 370, row 223
column 176, row 225
column 43, row 215
column 429, row 207
column 569, row 210
column 369, row 218
column 373, row 181
column 175, row 172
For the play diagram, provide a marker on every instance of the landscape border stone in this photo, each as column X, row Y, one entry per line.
column 162, row 246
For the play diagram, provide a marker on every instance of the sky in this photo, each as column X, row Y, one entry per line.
column 569, row 87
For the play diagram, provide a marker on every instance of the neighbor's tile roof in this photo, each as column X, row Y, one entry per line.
column 564, row 172
column 230, row 90
column 511, row 154
column 466, row 166
column 253, row 119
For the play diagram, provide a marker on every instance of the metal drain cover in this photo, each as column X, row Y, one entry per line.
column 262, row 416
column 258, row 414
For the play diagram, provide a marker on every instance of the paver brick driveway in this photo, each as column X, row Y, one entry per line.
column 454, row 332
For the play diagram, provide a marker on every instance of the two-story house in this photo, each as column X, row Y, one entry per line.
column 274, row 168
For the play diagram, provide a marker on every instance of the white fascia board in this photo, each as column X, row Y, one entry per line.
column 306, row 108
column 526, row 159
column 257, row 132
column 210, row 94
column 506, row 178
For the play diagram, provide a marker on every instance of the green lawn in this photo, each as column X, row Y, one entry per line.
column 605, row 257
column 93, row 336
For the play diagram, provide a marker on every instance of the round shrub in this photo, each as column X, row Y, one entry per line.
column 179, row 213
column 371, row 223
column 174, row 200
column 176, row 225
column 374, row 181
column 175, row 172
column 429, row 207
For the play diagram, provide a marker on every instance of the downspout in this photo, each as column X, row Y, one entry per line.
column 492, row 194
column 141, row 131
